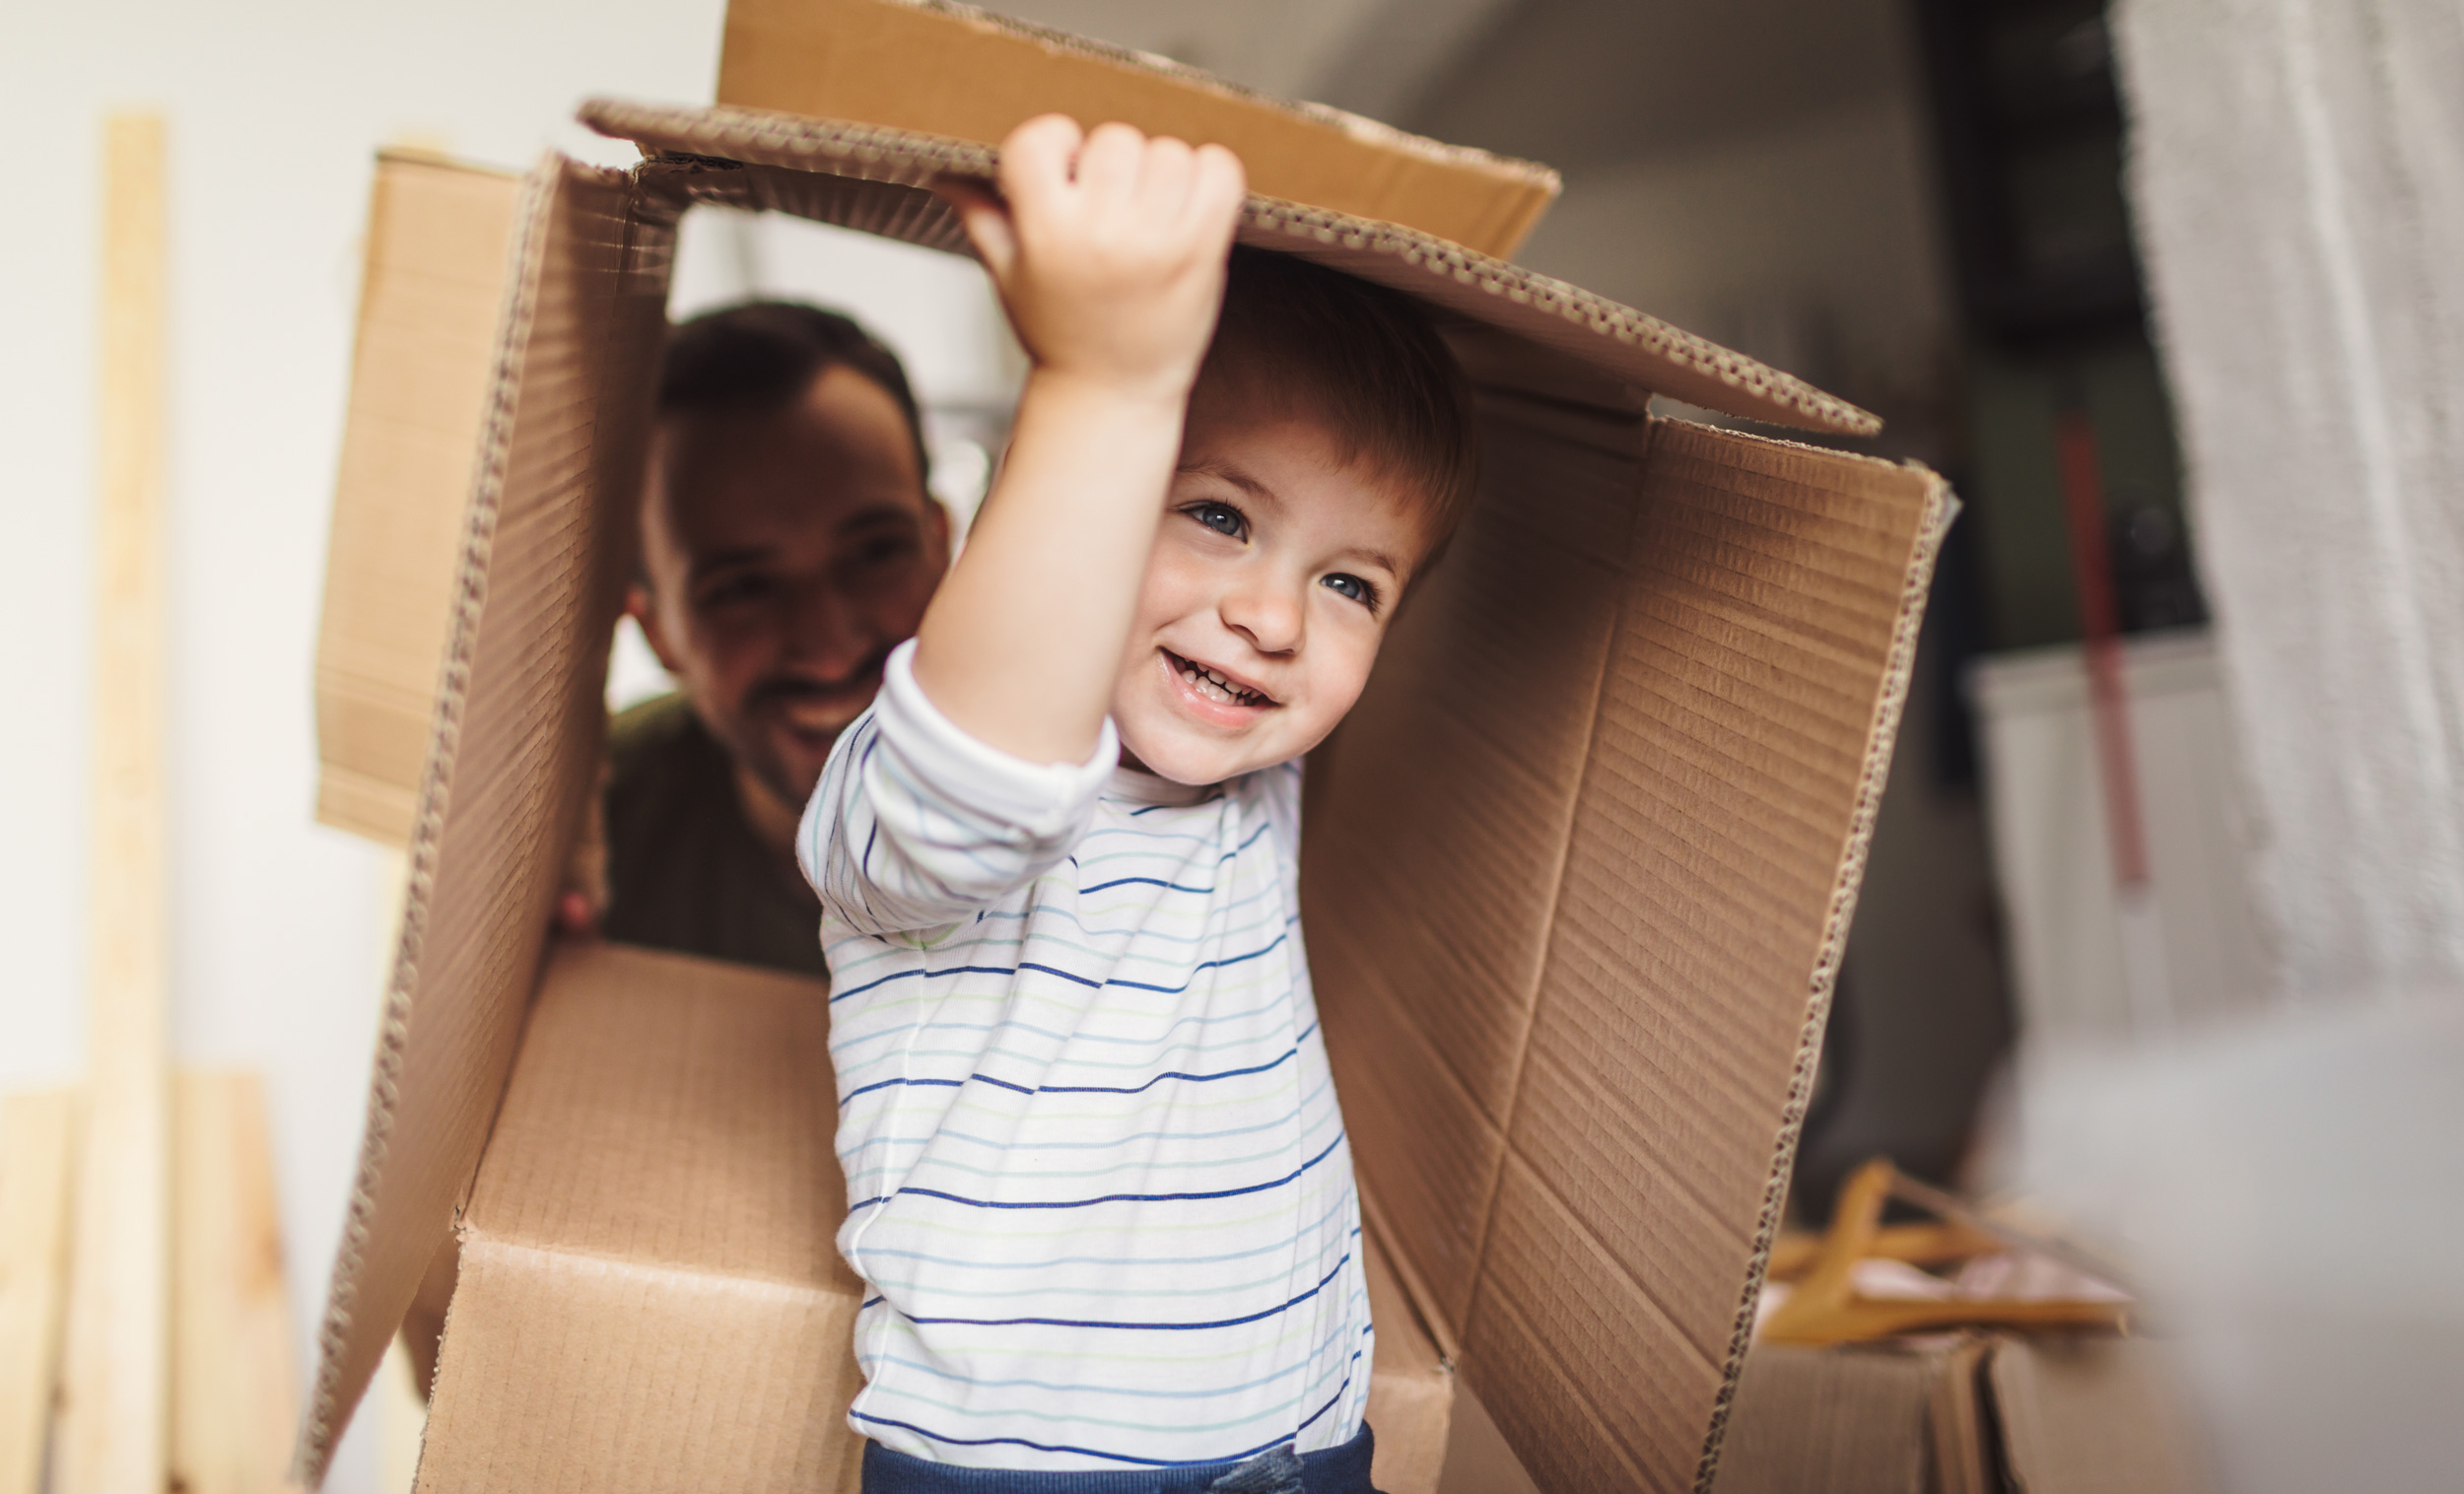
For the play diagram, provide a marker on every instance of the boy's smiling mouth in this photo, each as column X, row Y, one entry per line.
column 1213, row 687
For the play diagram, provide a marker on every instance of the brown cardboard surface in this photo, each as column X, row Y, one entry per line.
column 1592, row 332
column 1842, row 1421
column 1578, row 870
column 430, row 295
column 650, row 1298
column 1961, row 1414
column 2092, row 1414
column 513, row 745
column 957, row 71
column 1412, row 1387
column 661, row 1188
column 1577, row 874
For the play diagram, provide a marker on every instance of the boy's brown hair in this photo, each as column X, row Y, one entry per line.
column 1364, row 360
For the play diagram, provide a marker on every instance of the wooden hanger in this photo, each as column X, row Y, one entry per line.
column 1824, row 1308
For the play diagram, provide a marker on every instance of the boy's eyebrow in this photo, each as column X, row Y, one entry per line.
column 1373, row 556
column 1235, row 476
column 1258, row 490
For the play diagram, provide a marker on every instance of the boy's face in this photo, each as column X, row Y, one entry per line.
column 786, row 553
column 1271, row 583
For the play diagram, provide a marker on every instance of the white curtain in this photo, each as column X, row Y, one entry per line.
column 2288, row 1188
column 2297, row 175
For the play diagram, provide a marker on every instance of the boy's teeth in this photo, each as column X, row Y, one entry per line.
column 1213, row 682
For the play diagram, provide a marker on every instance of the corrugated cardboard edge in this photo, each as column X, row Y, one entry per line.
column 318, row 1432
column 1428, row 266
column 1940, row 509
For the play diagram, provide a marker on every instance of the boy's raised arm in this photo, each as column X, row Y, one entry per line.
column 1109, row 253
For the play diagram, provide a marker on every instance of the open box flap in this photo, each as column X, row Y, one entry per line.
column 1614, row 340
column 970, row 74
column 1578, row 871
column 544, row 549
column 439, row 235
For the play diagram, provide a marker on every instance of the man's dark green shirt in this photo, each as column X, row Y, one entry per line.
column 684, row 870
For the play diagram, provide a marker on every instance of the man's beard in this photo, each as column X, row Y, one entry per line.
column 783, row 691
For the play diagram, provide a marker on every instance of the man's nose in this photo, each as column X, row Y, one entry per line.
column 825, row 631
column 1271, row 614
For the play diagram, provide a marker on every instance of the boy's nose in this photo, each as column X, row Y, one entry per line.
column 1269, row 617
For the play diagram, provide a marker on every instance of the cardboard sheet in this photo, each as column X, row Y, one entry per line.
column 1588, row 330
column 438, row 234
column 513, row 745
column 957, row 71
column 1578, row 871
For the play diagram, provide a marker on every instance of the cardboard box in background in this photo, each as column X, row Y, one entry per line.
column 1962, row 1414
column 1579, row 870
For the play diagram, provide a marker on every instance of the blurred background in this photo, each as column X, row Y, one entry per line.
column 2211, row 243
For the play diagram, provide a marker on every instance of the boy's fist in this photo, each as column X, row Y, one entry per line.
column 1109, row 249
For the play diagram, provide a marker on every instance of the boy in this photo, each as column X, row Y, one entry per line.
column 1096, row 1175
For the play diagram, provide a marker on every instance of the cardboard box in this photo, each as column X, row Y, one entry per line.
column 1578, row 871
column 2084, row 1413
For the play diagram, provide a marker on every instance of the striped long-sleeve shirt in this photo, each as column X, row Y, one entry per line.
column 1097, row 1181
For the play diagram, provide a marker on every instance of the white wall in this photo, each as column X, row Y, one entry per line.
column 1810, row 246
column 274, row 107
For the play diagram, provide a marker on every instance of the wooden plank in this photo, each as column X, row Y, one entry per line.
column 235, row 1389
column 116, row 1383
column 38, row 1141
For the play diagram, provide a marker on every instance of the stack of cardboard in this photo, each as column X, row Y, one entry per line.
column 1969, row 1413
column 1577, row 869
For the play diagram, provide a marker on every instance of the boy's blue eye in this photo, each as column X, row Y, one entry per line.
column 1351, row 586
column 1224, row 518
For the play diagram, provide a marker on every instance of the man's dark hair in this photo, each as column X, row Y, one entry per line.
column 760, row 356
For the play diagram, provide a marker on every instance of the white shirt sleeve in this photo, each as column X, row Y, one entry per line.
column 916, row 824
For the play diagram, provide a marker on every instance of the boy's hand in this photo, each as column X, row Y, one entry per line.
column 1109, row 252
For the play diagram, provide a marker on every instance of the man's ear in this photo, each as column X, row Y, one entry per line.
column 642, row 610
column 938, row 524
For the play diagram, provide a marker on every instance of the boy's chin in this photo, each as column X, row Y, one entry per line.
column 1182, row 759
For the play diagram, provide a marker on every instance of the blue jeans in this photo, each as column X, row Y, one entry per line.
column 1330, row 1470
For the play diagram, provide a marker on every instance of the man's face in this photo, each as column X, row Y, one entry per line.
column 785, row 553
column 1270, row 589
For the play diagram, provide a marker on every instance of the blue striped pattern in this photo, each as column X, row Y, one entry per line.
column 1097, row 1178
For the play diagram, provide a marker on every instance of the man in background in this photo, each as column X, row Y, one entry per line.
column 788, row 545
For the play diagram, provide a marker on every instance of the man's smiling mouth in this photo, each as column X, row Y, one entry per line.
column 1214, row 685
